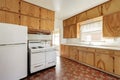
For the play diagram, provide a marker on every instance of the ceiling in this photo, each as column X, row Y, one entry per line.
column 67, row 8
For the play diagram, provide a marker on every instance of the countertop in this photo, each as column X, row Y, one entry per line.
column 111, row 47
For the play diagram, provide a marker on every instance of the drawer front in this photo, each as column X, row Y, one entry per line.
column 82, row 48
column 91, row 49
column 37, row 58
column 37, row 67
column 104, row 51
column 50, row 63
column 50, row 55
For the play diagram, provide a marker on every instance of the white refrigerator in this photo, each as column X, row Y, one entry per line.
column 13, row 52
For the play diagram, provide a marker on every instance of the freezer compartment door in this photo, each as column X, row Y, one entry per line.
column 11, row 34
column 13, row 62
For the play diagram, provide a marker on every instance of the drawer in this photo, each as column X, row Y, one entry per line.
column 50, row 63
column 117, row 52
column 37, row 58
column 82, row 48
column 37, row 67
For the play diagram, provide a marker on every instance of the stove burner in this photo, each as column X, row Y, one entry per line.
column 34, row 47
column 40, row 47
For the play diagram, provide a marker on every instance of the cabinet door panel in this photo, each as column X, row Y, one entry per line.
column 2, row 16
column 104, row 61
column 94, row 12
column 44, row 24
column 117, row 65
column 32, row 23
column 13, row 5
column 82, row 17
column 81, row 55
column 2, row 4
column 111, row 25
column 12, row 18
column 111, row 7
column 44, row 13
column 50, row 15
column 29, row 9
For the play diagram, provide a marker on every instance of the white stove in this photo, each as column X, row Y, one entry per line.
column 41, row 56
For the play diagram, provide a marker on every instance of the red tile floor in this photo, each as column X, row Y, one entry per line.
column 70, row 70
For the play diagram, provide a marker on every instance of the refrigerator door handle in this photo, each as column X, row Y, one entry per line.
column 12, row 44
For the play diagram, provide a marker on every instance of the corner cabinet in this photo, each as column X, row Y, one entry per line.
column 10, row 5
column 64, row 51
column 111, row 25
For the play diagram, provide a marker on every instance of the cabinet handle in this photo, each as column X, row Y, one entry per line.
column 38, row 66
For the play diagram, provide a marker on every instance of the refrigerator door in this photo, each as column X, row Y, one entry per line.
column 12, row 34
column 13, row 62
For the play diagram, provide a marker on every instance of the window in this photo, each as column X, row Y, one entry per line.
column 91, row 31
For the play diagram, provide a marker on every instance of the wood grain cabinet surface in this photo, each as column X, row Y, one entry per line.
column 117, row 63
column 94, row 12
column 32, row 23
column 29, row 9
column 10, row 5
column 65, row 51
column 104, row 60
column 82, row 17
column 111, row 7
column 111, row 25
column 47, row 14
column 8, row 17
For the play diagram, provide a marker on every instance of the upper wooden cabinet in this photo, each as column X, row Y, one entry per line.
column 10, row 5
column 29, row 9
column 94, row 12
column 47, row 14
column 111, row 25
column 69, row 21
column 46, row 25
column 111, row 7
column 82, row 17
column 71, row 31
column 32, row 23
column 8, row 17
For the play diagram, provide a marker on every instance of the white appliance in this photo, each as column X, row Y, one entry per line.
column 13, row 52
column 42, row 56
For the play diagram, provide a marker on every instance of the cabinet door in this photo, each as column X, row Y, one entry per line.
column 12, row 18
column 94, row 12
column 2, row 4
column 44, row 13
column 32, row 23
column 62, row 50
column 2, row 16
column 66, row 50
column 88, row 58
column 104, row 61
column 44, row 24
column 81, row 56
column 111, row 25
column 82, row 17
column 50, row 26
column 73, row 51
column 111, row 7
column 29, row 9
column 50, row 15
column 74, row 31
column 117, row 65
column 12, row 5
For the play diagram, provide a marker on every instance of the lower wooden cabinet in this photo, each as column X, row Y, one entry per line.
column 9, row 17
column 104, row 60
column 65, row 51
column 117, row 63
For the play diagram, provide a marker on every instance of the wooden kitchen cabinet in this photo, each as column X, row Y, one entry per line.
column 46, row 25
column 47, row 14
column 117, row 63
column 74, row 53
column 65, row 51
column 29, row 9
column 10, row 5
column 8, row 17
column 111, row 25
column 32, row 23
column 104, row 60
column 82, row 17
column 94, row 12
column 111, row 7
